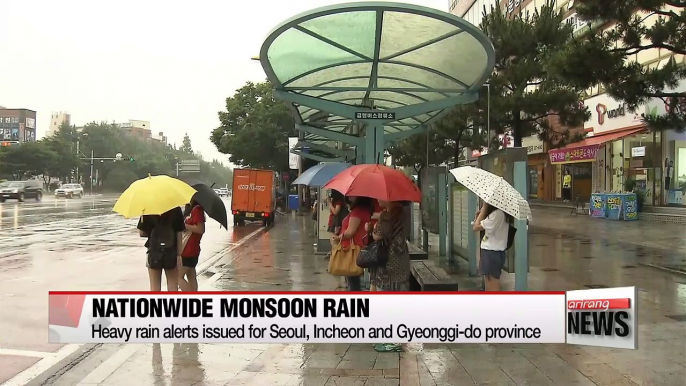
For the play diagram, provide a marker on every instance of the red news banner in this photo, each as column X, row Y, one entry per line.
column 312, row 317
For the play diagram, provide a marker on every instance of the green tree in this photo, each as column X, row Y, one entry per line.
column 618, row 32
column 186, row 145
column 524, row 95
column 56, row 157
column 27, row 160
column 66, row 158
column 413, row 151
column 255, row 128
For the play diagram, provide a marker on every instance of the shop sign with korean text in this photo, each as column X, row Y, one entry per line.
column 572, row 155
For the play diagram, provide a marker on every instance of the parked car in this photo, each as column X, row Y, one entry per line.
column 223, row 192
column 21, row 190
column 69, row 191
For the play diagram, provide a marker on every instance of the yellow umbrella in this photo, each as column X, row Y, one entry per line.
column 153, row 195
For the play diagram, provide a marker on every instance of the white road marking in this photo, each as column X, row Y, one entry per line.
column 42, row 365
column 110, row 365
column 25, row 353
column 100, row 373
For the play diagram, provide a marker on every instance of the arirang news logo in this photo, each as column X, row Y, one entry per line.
column 602, row 317
column 598, row 317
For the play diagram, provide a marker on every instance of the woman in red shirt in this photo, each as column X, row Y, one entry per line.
column 195, row 228
column 352, row 230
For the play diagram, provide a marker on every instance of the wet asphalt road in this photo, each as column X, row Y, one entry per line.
column 77, row 244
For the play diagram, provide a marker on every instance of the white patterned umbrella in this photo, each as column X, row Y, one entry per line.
column 493, row 190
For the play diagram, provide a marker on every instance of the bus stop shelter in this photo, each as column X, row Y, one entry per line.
column 360, row 76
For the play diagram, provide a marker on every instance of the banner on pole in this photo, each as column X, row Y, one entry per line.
column 293, row 159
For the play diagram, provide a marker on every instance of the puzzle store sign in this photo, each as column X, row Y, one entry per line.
column 576, row 154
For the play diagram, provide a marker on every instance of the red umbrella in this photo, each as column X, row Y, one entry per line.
column 375, row 181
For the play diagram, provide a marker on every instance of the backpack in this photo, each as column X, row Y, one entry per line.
column 162, row 236
column 511, row 231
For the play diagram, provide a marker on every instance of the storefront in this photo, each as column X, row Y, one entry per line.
column 604, row 160
column 672, row 161
column 577, row 160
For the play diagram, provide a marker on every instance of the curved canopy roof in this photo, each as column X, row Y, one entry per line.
column 414, row 61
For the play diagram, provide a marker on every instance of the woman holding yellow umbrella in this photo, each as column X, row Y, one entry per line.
column 157, row 201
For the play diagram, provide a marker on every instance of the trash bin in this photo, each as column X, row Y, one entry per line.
column 293, row 202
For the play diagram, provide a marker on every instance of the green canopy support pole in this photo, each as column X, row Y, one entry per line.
column 442, row 213
column 473, row 240
column 521, row 243
column 374, row 144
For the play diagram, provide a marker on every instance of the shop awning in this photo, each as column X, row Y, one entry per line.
column 585, row 151
column 601, row 139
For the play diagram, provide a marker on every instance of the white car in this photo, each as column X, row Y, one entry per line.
column 223, row 192
column 69, row 191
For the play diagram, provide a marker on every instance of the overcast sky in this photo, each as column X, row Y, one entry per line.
column 172, row 63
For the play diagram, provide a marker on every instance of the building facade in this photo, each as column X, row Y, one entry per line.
column 17, row 126
column 618, row 147
column 137, row 128
column 56, row 120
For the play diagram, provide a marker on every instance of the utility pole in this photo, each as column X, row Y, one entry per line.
column 78, row 180
column 92, row 155
column 488, row 113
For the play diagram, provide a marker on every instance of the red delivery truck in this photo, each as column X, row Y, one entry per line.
column 254, row 196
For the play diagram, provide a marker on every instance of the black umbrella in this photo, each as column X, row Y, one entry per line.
column 210, row 202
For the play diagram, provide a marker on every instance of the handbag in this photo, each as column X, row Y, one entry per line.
column 343, row 261
column 375, row 254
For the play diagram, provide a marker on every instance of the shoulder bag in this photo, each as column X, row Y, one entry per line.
column 343, row 260
column 375, row 254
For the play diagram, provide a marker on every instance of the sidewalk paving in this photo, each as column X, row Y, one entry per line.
column 283, row 260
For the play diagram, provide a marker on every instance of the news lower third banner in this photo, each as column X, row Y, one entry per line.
column 340, row 317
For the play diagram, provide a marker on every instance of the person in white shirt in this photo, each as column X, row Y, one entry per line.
column 494, row 223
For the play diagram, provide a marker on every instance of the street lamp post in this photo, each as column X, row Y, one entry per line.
column 488, row 113
column 92, row 155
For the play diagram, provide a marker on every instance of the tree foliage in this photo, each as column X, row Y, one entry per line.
column 56, row 157
column 447, row 138
column 524, row 95
column 255, row 128
column 186, row 145
column 619, row 32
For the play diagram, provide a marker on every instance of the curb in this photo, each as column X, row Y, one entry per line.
column 669, row 270
column 207, row 264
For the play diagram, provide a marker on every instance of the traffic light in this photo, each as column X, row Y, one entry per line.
column 131, row 159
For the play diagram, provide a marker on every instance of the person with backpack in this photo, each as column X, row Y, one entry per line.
column 195, row 228
column 495, row 225
column 164, row 244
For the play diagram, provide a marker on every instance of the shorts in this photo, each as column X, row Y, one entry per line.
column 492, row 263
column 161, row 261
column 190, row 262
